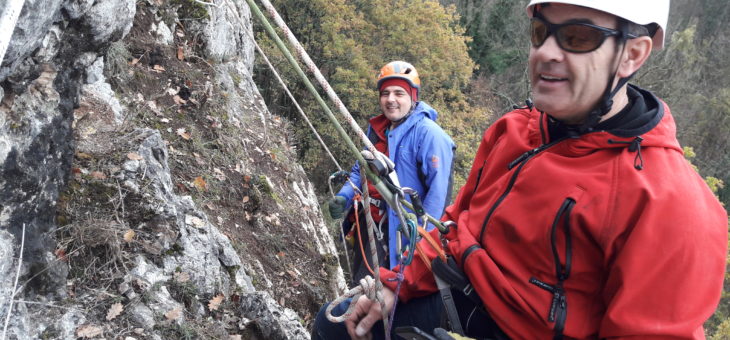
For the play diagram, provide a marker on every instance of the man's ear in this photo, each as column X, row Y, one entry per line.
column 637, row 51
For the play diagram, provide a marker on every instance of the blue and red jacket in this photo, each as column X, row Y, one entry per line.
column 423, row 155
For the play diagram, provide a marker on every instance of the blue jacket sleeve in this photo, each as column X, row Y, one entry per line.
column 436, row 158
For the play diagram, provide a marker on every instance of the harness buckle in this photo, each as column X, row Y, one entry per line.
column 468, row 289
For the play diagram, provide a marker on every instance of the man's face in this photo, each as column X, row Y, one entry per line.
column 568, row 85
column 395, row 102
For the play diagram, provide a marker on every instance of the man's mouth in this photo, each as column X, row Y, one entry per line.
column 551, row 78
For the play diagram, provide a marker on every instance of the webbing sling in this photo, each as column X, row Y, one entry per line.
column 448, row 275
column 449, row 305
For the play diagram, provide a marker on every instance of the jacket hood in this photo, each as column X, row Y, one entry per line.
column 424, row 109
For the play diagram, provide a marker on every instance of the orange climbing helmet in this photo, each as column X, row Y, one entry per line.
column 394, row 71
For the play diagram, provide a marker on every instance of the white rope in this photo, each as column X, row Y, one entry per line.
column 374, row 251
column 372, row 288
column 367, row 287
column 317, row 74
column 8, row 19
column 15, row 286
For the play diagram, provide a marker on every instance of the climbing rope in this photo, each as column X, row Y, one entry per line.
column 367, row 287
column 374, row 252
column 8, row 20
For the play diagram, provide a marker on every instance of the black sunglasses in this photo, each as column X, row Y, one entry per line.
column 572, row 37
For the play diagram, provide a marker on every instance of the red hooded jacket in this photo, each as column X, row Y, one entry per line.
column 576, row 230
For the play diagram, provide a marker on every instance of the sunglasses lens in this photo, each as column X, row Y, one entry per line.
column 579, row 38
column 538, row 32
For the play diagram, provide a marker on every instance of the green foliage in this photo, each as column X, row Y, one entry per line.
column 494, row 31
column 723, row 331
column 719, row 323
column 116, row 62
column 692, row 76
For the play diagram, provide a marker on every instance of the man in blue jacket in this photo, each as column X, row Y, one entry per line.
column 422, row 152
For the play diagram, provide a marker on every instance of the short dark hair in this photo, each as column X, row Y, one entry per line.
column 635, row 29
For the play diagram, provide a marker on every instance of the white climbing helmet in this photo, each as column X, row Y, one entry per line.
column 642, row 12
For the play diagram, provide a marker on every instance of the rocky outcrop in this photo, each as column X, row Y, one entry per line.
column 153, row 192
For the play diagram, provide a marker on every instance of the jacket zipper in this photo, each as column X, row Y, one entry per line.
column 558, row 312
column 479, row 177
column 543, row 122
column 521, row 161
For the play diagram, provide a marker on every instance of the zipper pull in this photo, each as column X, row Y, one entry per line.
column 554, row 305
column 523, row 157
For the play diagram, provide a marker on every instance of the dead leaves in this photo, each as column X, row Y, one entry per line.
column 174, row 314
column 114, row 311
column 83, row 155
column 215, row 302
column 89, row 331
column 183, row 133
column 61, row 254
column 219, row 174
column 178, row 100
column 129, row 235
column 98, row 175
column 194, row 221
column 134, row 156
column 200, row 183
column 181, row 277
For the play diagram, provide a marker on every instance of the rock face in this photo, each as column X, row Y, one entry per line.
column 153, row 192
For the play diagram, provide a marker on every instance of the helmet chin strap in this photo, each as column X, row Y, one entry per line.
column 606, row 102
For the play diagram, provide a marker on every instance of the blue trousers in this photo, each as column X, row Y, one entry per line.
column 424, row 313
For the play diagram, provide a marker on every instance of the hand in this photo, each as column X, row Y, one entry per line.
column 366, row 313
column 337, row 206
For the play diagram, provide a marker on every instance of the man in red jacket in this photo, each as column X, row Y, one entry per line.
column 580, row 218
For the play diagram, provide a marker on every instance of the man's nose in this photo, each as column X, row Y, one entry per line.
column 549, row 51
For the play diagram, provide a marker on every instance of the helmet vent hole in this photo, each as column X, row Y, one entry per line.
column 408, row 71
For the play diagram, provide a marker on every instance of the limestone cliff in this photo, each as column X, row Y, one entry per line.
column 152, row 193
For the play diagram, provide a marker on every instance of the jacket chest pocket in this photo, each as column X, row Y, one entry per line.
column 561, row 237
